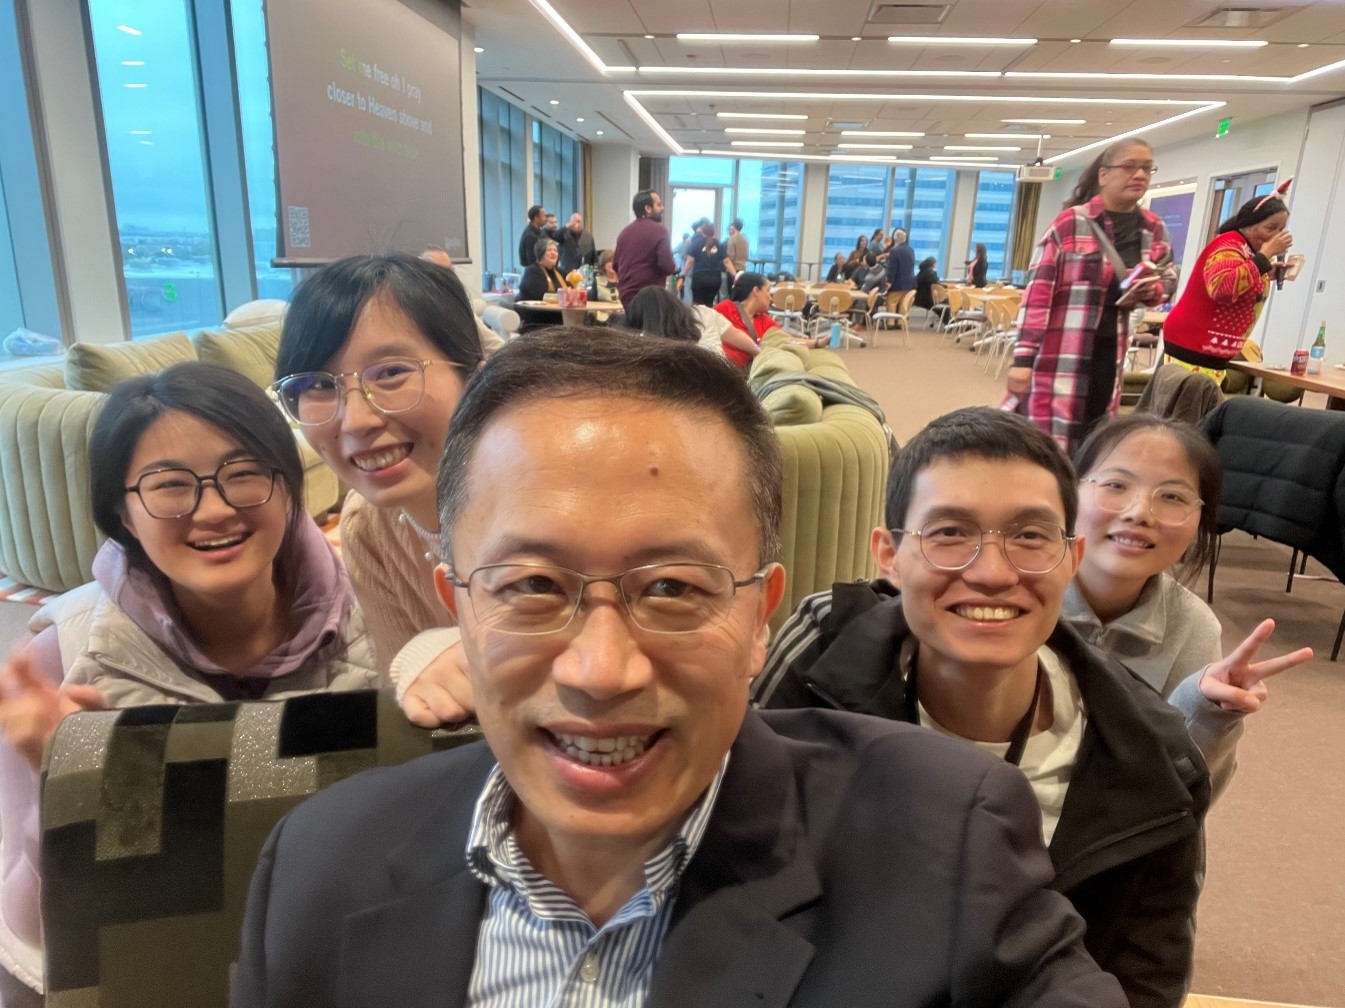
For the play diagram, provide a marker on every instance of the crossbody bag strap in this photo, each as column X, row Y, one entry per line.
column 1108, row 249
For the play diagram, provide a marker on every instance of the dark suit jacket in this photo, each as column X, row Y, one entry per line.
column 849, row 861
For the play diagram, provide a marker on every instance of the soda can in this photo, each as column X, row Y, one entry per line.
column 1299, row 365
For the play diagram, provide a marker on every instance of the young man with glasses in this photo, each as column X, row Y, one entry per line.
column 633, row 835
column 964, row 636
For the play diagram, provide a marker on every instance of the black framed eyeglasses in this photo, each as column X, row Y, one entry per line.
column 952, row 544
column 1170, row 505
column 176, row 493
column 392, row 385
column 666, row 598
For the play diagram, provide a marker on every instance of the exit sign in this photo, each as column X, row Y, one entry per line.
column 1222, row 130
column 1058, row 173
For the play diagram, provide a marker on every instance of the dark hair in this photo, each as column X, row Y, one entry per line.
column 864, row 239
column 213, row 394
column 745, row 284
column 980, row 253
column 325, row 307
column 643, row 199
column 533, row 211
column 657, row 311
column 1199, row 452
column 561, row 361
column 929, row 262
column 1089, row 183
column 979, row 432
column 541, row 245
column 1253, row 212
column 736, row 223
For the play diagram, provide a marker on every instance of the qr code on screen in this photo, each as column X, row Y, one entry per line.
column 299, row 237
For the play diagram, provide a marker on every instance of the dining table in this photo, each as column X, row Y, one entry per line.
column 1330, row 382
column 573, row 316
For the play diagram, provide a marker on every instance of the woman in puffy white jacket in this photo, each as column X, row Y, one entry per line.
column 213, row 585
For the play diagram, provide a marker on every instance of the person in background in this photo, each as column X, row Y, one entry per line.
column 747, row 309
column 643, row 254
column 629, row 832
column 737, row 247
column 1230, row 281
column 855, row 261
column 576, row 245
column 1073, row 329
column 1148, row 500
column 925, row 280
column 977, row 267
column 213, row 585
column 706, row 264
column 552, row 227
column 656, row 311
column 964, row 636
column 490, row 339
column 837, row 272
column 605, row 279
column 900, row 265
column 532, row 233
column 374, row 354
column 543, row 276
column 873, row 278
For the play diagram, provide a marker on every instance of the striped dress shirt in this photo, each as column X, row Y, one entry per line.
column 537, row 948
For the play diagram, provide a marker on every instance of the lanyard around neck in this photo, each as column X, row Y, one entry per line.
column 1021, row 732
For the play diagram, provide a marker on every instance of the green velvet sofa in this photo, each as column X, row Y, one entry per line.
column 836, row 459
column 47, row 535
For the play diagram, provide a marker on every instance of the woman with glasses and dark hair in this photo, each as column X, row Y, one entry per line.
column 213, row 585
column 1148, row 501
column 1230, row 281
column 374, row 355
column 1074, row 329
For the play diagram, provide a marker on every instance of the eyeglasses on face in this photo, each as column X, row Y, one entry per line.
column 953, row 544
column 667, row 598
column 176, row 493
column 393, row 385
column 1131, row 167
column 1170, row 505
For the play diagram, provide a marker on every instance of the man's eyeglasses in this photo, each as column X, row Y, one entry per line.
column 1131, row 167
column 1170, row 505
column 951, row 544
column 668, row 598
column 176, row 493
column 395, row 385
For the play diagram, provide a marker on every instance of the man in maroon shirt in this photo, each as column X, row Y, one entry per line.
column 643, row 254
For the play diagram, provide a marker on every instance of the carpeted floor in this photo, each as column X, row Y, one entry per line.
column 1272, row 918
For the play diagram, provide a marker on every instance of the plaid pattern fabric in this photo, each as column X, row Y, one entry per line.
column 152, row 822
column 1062, row 307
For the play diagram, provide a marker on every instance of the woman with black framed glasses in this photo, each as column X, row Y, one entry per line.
column 374, row 355
column 213, row 585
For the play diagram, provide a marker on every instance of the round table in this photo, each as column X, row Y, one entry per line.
column 572, row 316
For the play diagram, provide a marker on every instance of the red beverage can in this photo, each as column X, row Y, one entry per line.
column 1299, row 365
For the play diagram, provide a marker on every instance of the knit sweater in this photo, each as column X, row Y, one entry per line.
column 393, row 580
column 1220, row 303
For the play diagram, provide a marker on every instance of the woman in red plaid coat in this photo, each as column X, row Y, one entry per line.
column 1073, row 329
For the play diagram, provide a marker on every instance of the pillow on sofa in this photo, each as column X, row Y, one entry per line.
column 773, row 362
column 96, row 367
column 251, row 351
column 792, row 405
column 266, row 311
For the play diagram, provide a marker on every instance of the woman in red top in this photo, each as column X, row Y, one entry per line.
column 1210, row 321
column 750, row 298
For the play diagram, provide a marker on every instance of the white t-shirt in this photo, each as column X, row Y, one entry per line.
column 712, row 326
column 1049, row 756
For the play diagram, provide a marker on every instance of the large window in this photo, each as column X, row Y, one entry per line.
column 557, row 166
column 254, row 108
column 504, row 195
column 151, row 120
column 857, row 204
column 991, row 218
column 861, row 198
column 767, row 195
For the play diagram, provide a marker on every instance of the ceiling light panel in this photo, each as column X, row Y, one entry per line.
column 948, row 40
column 865, row 146
column 760, row 115
column 879, row 133
column 766, row 143
column 1192, row 43
column 977, row 147
column 1047, row 122
column 1007, row 136
column 764, row 132
column 738, row 37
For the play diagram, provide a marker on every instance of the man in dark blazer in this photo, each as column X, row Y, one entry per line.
column 632, row 833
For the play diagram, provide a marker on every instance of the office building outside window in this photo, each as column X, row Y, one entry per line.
column 861, row 198
column 767, row 195
column 557, row 167
column 992, row 217
column 504, row 197
column 148, row 84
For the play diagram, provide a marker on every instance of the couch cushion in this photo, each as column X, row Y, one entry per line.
column 96, row 367
column 793, row 404
column 267, row 311
column 773, row 362
column 250, row 351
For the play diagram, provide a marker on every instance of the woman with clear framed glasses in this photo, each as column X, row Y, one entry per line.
column 213, row 585
column 1148, row 501
column 374, row 355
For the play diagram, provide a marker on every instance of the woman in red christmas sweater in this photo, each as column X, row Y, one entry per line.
column 1210, row 321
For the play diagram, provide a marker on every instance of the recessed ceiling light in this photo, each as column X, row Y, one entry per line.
column 760, row 115
column 879, row 133
column 1191, row 43
column 1007, row 136
column 968, row 159
column 864, row 146
column 975, row 147
column 599, row 132
column 478, row 49
column 738, row 37
column 856, row 38
column 1075, row 41
column 132, row 62
column 554, row 102
column 951, row 40
column 580, row 119
column 1051, row 122
column 766, row 143
column 1302, row 45
column 776, row 132
column 649, row 36
column 128, row 29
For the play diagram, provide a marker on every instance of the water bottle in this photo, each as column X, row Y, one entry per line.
column 1317, row 352
column 835, row 334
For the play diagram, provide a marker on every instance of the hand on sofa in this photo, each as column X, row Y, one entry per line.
column 31, row 708
column 440, row 692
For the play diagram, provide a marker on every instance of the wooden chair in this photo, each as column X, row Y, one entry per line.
column 787, row 304
column 833, row 307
